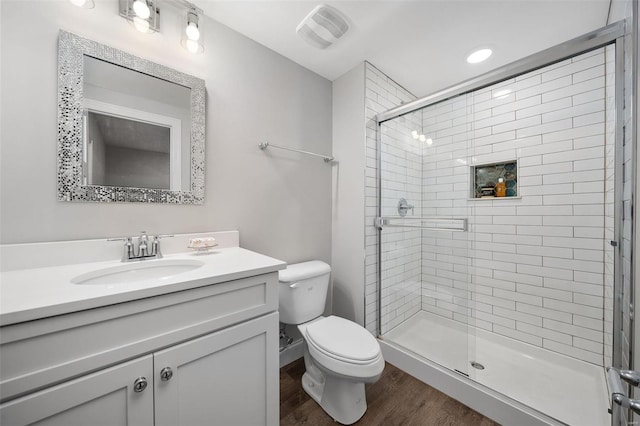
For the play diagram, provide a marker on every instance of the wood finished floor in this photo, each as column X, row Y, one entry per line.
column 396, row 399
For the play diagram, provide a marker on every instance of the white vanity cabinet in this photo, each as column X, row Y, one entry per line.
column 104, row 398
column 208, row 356
column 220, row 379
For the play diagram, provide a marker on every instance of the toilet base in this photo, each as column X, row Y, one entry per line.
column 344, row 400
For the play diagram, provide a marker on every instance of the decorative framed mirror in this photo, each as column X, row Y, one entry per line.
column 129, row 130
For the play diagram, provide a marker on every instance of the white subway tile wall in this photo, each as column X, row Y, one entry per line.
column 535, row 268
column 609, row 217
column 401, row 151
column 402, row 256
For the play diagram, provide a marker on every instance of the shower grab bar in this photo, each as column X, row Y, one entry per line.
column 387, row 222
column 265, row 145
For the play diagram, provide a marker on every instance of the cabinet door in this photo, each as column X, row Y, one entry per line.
column 226, row 378
column 104, row 398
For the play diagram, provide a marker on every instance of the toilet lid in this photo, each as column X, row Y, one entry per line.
column 343, row 339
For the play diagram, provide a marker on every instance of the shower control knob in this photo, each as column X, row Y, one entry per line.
column 140, row 384
column 166, row 374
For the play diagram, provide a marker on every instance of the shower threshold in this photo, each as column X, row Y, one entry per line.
column 563, row 388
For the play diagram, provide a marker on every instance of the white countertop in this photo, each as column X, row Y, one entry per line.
column 29, row 294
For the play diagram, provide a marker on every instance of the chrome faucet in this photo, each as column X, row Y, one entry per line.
column 143, row 242
column 130, row 253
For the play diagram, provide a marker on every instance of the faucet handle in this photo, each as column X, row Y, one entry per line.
column 155, row 246
column 159, row 236
column 127, row 254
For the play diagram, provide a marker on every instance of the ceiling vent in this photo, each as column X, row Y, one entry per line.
column 323, row 26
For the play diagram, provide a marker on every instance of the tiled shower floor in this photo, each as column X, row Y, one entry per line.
column 567, row 389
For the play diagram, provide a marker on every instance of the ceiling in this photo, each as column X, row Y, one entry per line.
column 421, row 44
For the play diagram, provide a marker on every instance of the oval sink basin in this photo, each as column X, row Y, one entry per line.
column 138, row 271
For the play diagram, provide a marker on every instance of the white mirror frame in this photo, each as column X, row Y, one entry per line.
column 71, row 50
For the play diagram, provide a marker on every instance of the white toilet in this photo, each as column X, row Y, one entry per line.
column 340, row 356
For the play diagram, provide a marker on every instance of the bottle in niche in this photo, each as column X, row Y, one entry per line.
column 501, row 188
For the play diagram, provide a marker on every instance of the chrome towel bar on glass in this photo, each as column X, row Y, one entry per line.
column 265, row 145
column 428, row 223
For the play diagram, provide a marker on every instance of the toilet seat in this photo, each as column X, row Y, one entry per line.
column 343, row 340
column 329, row 341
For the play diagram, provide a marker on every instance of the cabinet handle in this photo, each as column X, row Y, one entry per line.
column 166, row 374
column 140, row 384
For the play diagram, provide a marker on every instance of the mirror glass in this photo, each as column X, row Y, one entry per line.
column 135, row 124
column 129, row 129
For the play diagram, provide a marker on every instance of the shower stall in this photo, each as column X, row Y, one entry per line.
column 503, row 233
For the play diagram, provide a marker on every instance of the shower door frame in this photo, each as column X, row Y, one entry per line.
column 612, row 34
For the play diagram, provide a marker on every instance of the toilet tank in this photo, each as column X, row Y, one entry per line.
column 303, row 291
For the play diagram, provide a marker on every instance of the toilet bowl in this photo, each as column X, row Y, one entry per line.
column 340, row 356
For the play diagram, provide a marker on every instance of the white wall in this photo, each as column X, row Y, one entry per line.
column 347, row 255
column 279, row 202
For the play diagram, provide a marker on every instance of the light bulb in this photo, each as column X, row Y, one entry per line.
column 141, row 9
column 429, row 141
column 415, row 134
column 192, row 31
column 423, row 138
column 141, row 25
column 479, row 56
column 192, row 46
column 87, row 4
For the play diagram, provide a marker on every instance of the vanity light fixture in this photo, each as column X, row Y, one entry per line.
column 142, row 14
column 479, row 56
column 86, row 4
column 192, row 39
column 141, row 9
column 145, row 17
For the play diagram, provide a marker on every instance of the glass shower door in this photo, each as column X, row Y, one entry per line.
column 425, row 304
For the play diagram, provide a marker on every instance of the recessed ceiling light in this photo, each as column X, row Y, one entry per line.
column 87, row 4
column 479, row 56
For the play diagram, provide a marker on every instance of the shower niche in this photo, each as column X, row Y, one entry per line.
column 485, row 180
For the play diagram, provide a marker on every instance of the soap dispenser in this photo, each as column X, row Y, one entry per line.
column 501, row 188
